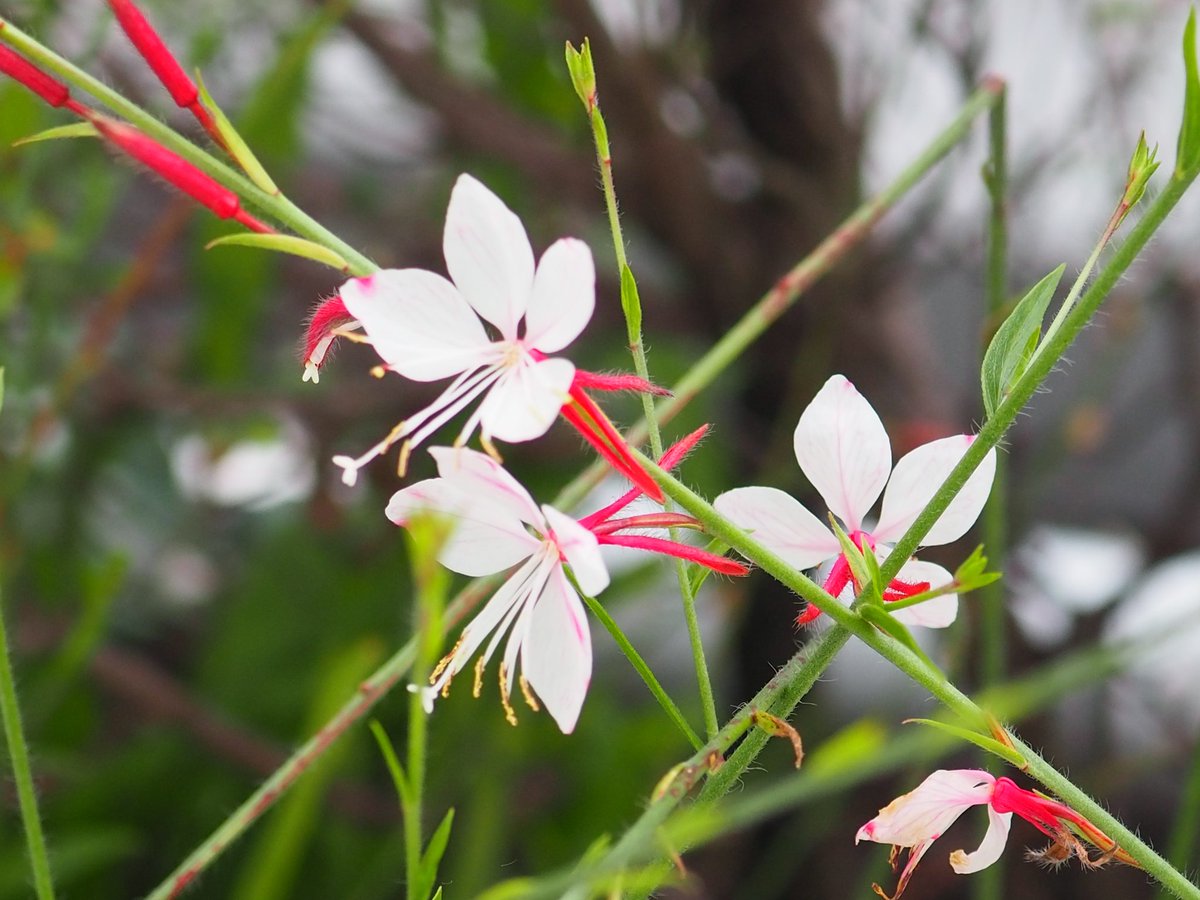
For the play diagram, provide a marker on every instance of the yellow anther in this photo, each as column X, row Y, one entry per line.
column 477, row 689
column 509, row 713
column 378, row 371
column 490, row 448
column 402, row 462
column 527, row 692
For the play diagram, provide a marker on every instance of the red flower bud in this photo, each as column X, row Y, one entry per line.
column 177, row 171
column 49, row 89
column 147, row 42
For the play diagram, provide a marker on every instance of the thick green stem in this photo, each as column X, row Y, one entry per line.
column 1181, row 848
column 18, row 752
column 276, row 206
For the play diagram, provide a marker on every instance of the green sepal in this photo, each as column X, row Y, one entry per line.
column 235, row 144
column 991, row 745
column 284, row 243
column 582, row 71
column 1015, row 343
column 77, row 130
column 869, row 587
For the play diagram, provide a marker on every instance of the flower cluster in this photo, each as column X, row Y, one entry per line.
column 843, row 450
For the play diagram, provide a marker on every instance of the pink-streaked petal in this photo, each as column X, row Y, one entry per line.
column 916, row 479
column 940, row 612
column 989, row 850
column 524, row 403
column 779, row 522
column 483, row 539
column 487, row 483
column 564, row 296
column 556, row 654
column 418, row 323
column 843, row 450
column 488, row 255
column 581, row 549
column 924, row 813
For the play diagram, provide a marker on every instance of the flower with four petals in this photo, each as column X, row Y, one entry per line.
column 844, row 452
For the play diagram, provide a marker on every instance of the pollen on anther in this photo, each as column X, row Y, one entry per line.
column 402, row 461
column 378, row 371
column 477, row 687
column 510, row 714
column 444, row 661
column 527, row 693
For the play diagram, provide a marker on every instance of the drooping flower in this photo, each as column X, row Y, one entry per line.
column 490, row 329
column 844, row 451
column 497, row 525
column 916, row 819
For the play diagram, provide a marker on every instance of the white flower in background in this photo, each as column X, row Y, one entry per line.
column 843, row 449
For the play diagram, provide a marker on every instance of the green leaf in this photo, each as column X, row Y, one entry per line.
column 432, row 857
column 1188, row 150
column 631, row 303
column 399, row 779
column 238, row 148
column 283, row 243
column 1015, row 342
column 78, row 130
column 1008, row 754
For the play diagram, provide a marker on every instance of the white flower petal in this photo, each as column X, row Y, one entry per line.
column 556, row 655
column 418, row 323
column 778, row 521
column 940, row 612
column 524, row 403
column 843, row 449
column 989, row 850
column 924, row 813
column 484, row 538
column 488, row 255
column 581, row 549
column 564, row 296
column 916, row 479
column 487, row 483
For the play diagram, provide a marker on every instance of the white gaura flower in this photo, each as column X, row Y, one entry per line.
column 915, row 820
column 844, row 451
column 495, row 526
column 490, row 327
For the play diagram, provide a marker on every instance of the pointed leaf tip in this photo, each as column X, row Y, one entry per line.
column 1188, row 151
column 1015, row 342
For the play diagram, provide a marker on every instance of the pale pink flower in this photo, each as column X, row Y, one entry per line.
column 496, row 525
column 490, row 328
column 917, row 819
column 844, row 451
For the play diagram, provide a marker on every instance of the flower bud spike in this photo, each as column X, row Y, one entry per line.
column 163, row 63
column 50, row 89
column 177, row 171
column 650, row 520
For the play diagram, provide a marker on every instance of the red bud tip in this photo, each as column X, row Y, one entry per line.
column 722, row 564
column 152, row 49
column 319, row 337
column 22, row 70
column 681, row 448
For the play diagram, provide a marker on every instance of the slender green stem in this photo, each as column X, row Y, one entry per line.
column 639, row 665
column 18, row 752
column 277, row 206
column 631, row 304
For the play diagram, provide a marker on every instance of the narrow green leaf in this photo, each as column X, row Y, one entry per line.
column 399, row 779
column 991, row 745
column 1188, row 150
column 432, row 857
column 78, row 130
column 283, row 243
column 631, row 302
column 238, row 148
column 1015, row 342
